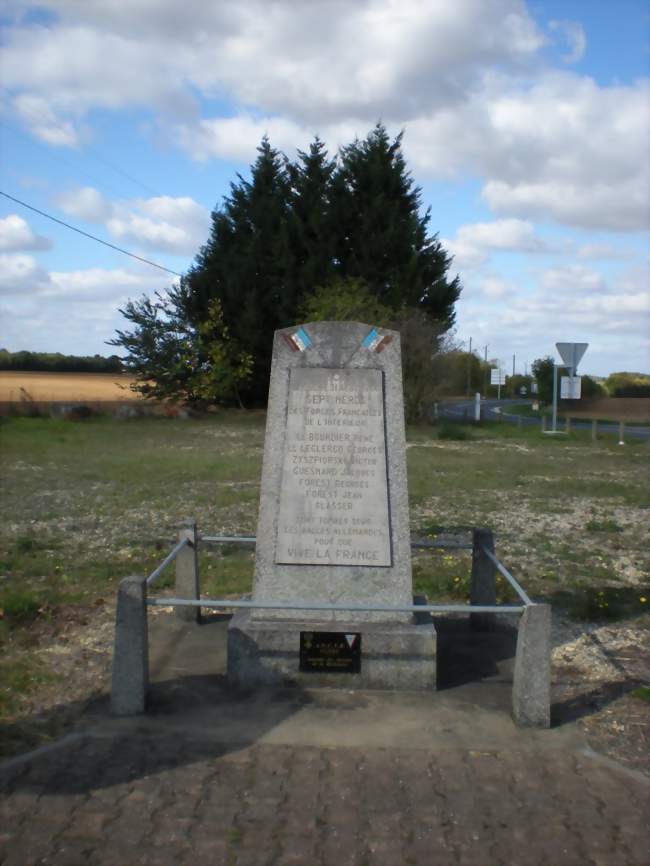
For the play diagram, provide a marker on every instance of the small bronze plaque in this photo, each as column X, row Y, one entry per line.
column 330, row 652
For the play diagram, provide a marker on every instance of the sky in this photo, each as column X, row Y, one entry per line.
column 526, row 125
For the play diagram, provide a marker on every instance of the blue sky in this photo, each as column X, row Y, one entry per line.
column 527, row 126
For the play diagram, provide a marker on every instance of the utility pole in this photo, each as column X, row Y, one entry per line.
column 513, row 365
column 469, row 366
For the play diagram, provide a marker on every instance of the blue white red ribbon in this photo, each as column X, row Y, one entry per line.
column 376, row 342
column 298, row 341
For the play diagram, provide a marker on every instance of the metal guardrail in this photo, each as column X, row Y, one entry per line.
column 372, row 608
column 228, row 539
column 531, row 678
column 167, row 561
column 504, row 571
column 415, row 545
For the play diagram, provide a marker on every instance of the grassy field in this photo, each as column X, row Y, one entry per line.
column 16, row 387
column 86, row 503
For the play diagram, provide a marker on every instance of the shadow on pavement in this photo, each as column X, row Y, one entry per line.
column 466, row 655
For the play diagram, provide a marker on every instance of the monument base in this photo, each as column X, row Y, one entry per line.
column 400, row 656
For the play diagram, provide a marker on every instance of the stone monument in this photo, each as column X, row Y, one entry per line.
column 333, row 523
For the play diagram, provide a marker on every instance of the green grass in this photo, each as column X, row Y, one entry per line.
column 18, row 678
column 606, row 525
column 642, row 693
column 84, row 505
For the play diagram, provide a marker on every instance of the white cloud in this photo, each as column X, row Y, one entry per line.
column 319, row 60
column 171, row 224
column 466, row 81
column 37, row 309
column 602, row 251
column 574, row 35
column 16, row 234
column 563, row 149
column 20, row 274
column 474, row 242
column 38, row 115
column 494, row 288
column 87, row 203
column 573, row 278
column 571, row 304
column 93, row 285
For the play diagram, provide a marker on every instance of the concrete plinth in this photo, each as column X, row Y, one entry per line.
column 393, row 655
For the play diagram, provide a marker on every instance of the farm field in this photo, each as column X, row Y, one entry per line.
column 18, row 386
column 86, row 503
column 635, row 409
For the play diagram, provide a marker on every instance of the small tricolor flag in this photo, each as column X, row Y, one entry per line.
column 375, row 342
column 299, row 341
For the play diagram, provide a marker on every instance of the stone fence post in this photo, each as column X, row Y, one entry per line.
column 131, row 649
column 531, row 687
column 187, row 572
column 483, row 589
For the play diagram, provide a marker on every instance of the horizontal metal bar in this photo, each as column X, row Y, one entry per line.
column 382, row 608
column 445, row 545
column 504, row 571
column 167, row 560
column 251, row 539
column 228, row 539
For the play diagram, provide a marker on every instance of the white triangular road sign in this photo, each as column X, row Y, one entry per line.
column 350, row 638
column 571, row 353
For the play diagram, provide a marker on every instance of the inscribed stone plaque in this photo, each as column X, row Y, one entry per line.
column 334, row 492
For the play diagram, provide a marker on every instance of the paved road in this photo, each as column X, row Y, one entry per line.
column 321, row 778
column 493, row 409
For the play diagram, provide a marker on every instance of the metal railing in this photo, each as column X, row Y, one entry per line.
column 440, row 544
column 500, row 567
column 531, row 679
column 171, row 556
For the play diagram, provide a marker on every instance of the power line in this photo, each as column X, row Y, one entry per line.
column 87, row 235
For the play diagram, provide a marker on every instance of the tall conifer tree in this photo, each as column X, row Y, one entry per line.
column 296, row 227
column 310, row 228
column 244, row 263
column 382, row 236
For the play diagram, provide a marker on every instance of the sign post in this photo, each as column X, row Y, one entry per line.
column 571, row 354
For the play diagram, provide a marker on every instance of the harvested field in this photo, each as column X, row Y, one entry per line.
column 609, row 409
column 19, row 387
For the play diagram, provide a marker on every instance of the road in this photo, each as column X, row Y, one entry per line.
column 492, row 409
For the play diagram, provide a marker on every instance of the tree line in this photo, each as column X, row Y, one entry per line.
column 55, row 362
column 312, row 238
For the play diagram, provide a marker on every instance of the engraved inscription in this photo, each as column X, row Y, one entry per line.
column 334, row 493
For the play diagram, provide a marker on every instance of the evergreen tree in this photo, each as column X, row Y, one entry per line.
column 291, row 229
column 310, row 230
column 381, row 236
column 244, row 264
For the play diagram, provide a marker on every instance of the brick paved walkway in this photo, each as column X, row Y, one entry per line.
column 162, row 798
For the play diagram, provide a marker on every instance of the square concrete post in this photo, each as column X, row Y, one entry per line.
column 543, row 423
column 594, row 429
column 531, row 687
column 483, row 588
column 567, row 424
column 187, row 572
column 131, row 649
